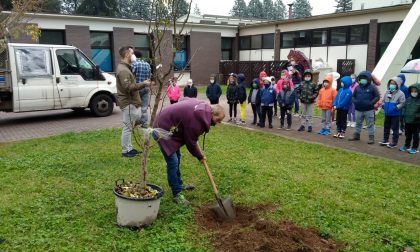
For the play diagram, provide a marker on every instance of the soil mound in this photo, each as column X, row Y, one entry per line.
column 249, row 232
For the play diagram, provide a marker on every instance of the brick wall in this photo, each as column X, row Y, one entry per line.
column 121, row 37
column 79, row 36
column 372, row 44
column 277, row 45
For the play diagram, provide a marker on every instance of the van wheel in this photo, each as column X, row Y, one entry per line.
column 101, row 105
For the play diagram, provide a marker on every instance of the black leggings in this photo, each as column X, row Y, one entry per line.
column 233, row 108
column 412, row 132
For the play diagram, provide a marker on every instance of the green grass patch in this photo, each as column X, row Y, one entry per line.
column 57, row 192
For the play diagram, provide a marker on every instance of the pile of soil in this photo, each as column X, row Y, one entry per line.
column 248, row 232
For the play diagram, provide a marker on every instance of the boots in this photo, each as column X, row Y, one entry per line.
column 355, row 137
column 371, row 139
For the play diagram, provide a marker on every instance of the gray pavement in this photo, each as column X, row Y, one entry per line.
column 21, row 126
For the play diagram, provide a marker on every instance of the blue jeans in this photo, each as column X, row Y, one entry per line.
column 172, row 169
column 370, row 120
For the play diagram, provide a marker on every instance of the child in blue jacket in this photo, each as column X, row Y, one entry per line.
column 342, row 104
column 268, row 97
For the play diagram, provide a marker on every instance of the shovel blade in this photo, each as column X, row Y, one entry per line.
column 224, row 209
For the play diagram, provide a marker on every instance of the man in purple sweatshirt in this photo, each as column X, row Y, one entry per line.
column 186, row 120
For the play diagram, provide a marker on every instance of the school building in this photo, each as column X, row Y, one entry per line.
column 359, row 35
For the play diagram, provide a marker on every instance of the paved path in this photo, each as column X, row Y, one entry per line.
column 21, row 126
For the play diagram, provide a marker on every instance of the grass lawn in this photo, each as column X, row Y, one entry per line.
column 57, row 192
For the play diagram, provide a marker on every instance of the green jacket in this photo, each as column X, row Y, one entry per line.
column 127, row 88
column 412, row 106
column 308, row 92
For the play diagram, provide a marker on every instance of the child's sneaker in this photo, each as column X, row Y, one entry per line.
column 321, row 132
column 336, row 135
column 281, row 127
column 348, row 124
column 403, row 148
column 412, row 151
column 289, row 128
column 391, row 145
column 384, row 143
column 353, row 124
column 301, row 128
column 341, row 136
column 181, row 200
column 326, row 132
column 230, row 119
column 309, row 128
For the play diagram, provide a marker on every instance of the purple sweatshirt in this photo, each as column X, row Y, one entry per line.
column 187, row 120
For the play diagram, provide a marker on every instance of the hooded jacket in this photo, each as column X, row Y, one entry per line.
column 279, row 84
column 412, row 106
column 257, row 93
column 307, row 90
column 173, row 92
column 365, row 96
column 241, row 88
column 343, row 99
column 232, row 93
column 286, row 98
column 263, row 74
column 327, row 95
column 403, row 87
column 268, row 96
column 213, row 91
column 187, row 120
column 393, row 102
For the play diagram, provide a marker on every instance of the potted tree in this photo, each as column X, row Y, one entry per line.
column 138, row 203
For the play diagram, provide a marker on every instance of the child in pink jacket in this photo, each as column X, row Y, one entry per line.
column 284, row 76
column 173, row 92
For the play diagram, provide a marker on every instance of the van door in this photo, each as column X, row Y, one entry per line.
column 35, row 78
column 76, row 78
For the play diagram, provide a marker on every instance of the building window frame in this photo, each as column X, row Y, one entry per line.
column 62, row 33
column 346, row 42
column 267, row 37
column 244, row 46
column 364, row 40
column 143, row 48
column 229, row 50
column 107, row 48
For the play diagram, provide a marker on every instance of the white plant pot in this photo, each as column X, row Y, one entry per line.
column 132, row 212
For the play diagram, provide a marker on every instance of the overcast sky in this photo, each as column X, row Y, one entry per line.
column 222, row 7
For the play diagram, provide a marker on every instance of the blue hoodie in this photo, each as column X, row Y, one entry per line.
column 268, row 96
column 343, row 99
column 241, row 88
column 403, row 87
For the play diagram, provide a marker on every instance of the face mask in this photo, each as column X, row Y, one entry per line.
column 293, row 62
column 273, row 83
column 284, row 87
column 353, row 80
column 308, row 78
column 189, row 84
column 283, row 76
column 231, row 82
column 392, row 87
column 133, row 58
column 325, row 84
column 363, row 81
column 414, row 95
column 211, row 81
column 254, row 85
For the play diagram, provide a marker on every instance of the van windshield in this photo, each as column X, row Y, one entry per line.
column 72, row 62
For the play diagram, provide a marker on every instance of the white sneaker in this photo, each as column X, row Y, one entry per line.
column 348, row 124
column 353, row 124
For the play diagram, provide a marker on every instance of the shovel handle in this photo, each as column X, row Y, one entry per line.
column 213, row 185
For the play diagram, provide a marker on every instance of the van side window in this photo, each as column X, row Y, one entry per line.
column 32, row 62
column 72, row 62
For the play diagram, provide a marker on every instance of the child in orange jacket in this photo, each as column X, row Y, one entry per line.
column 325, row 102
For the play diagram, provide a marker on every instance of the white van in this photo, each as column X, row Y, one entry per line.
column 37, row 77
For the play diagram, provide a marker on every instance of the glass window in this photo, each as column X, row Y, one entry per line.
column 227, row 48
column 100, row 39
column 245, row 43
column 338, row 36
column 101, row 50
column 142, row 44
column 268, row 41
column 226, row 55
column 303, row 39
column 288, row 39
column 387, row 31
column 102, row 58
column 85, row 66
column 256, row 42
column 319, row 37
column 67, row 61
column 52, row 37
column 33, row 62
column 359, row 34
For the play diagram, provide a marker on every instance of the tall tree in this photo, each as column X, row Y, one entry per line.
column 197, row 10
column 301, row 8
column 239, row 9
column 107, row 8
column 268, row 10
column 70, row 6
column 280, row 11
column 255, row 9
column 51, row 6
column 135, row 9
column 179, row 7
column 343, row 5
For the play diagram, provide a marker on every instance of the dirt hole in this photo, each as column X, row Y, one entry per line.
column 249, row 232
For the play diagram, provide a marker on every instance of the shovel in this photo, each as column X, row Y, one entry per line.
column 223, row 208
